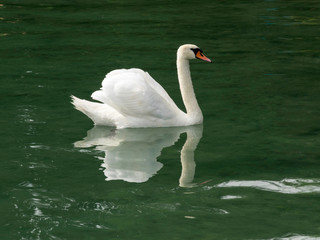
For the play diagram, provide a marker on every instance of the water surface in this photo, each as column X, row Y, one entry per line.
column 251, row 171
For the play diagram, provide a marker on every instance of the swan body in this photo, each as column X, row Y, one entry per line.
column 131, row 98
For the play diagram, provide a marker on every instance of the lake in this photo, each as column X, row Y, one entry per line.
column 251, row 171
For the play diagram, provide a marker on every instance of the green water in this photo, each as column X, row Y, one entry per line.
column 250, row 172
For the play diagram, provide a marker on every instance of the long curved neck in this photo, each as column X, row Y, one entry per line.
column 187, row 91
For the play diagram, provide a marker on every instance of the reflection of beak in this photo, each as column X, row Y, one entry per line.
column 201, row 56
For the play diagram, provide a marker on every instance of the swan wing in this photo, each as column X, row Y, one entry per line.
column 135, row 93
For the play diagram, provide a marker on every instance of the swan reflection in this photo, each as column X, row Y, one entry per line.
column 131, row 154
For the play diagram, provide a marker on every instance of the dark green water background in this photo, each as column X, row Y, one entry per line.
column 257, row 173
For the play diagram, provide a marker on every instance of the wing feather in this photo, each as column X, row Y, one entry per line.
column 134, row 92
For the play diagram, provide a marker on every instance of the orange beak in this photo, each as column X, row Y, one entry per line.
column 201, row 56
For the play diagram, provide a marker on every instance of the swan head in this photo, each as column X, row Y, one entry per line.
column 191, row 51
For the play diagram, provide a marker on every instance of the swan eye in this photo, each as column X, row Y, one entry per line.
column 196, row 51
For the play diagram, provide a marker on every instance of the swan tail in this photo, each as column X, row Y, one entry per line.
column 99, row 113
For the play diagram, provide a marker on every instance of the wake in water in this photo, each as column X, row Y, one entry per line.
column 287, row 186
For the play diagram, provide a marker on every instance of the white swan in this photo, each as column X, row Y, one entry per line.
column 131, row 98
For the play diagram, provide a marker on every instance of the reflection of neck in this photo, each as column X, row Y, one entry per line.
column 187, row 156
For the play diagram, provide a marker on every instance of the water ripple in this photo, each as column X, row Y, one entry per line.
column 287, row 186
column 295, row 237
